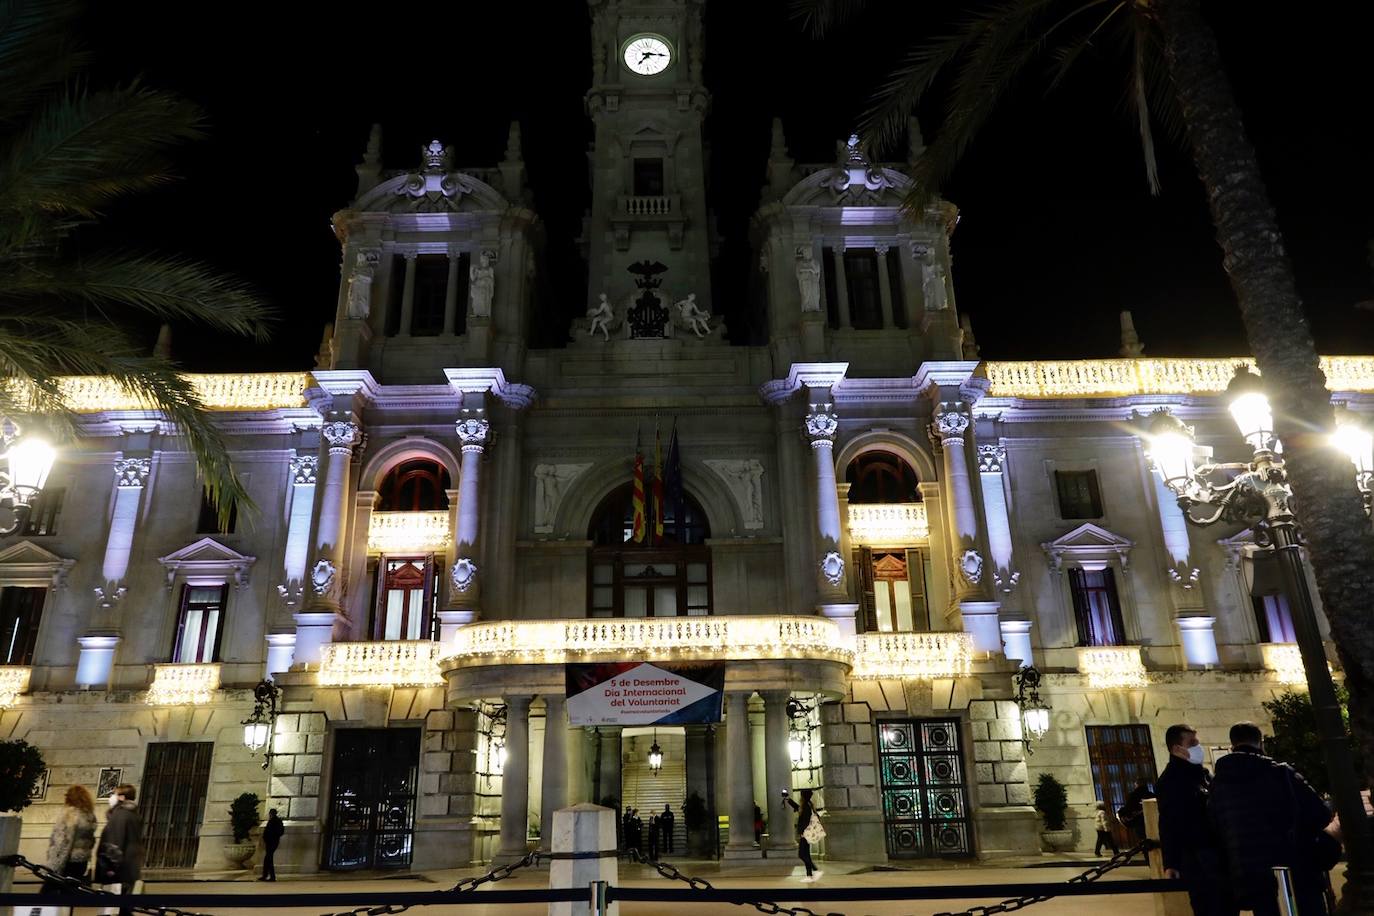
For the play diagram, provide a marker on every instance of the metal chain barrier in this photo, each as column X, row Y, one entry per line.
column 78, row 886
column 464, row 885
column 672, row 873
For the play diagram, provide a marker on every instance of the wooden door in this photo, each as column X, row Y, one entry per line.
column 176, row 779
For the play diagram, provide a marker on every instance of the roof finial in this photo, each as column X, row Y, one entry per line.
column 513, row 166
column 970, row 343
column 1131, row 347
column 780, row 165
column 370, row 169
column 324, row 359
column 163, row 348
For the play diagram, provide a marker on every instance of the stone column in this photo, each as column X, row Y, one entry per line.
column 131, row 477
column 515, row 781
column 451, row 293
column 474, row 431
column 948, row 426
column 841, row 287
column 741, row 844
column 884, row 286
column 821, row 426
column 557, row 767
column 296, row 555
column 1196, row 627
column 315, row 625
column 777, row 768
column 579, row 783
column 407, row 296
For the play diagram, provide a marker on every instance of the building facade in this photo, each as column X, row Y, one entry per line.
column 875, row 530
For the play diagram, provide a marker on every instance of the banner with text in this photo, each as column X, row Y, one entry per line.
column 641, row 693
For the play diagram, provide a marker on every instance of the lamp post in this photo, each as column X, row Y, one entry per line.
column 1257, row 493
column 257, row 728
column 28, row 459
column 1035, row 715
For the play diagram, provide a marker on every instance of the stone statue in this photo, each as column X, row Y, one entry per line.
column 744, row 477
column 360, row 282
column 550, row 484
column 808, row 280
column 691, row 316
column 483, row 285
column 600, row 316
column 933, row 285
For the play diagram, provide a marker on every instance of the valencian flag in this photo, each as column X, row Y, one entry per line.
column 658, row 485
column 639, row 525
column 672, row 478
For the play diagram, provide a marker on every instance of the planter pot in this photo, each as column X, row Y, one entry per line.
column 1057, row 840
column 10, row 822
column 240, row 854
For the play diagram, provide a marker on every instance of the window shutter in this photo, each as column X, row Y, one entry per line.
column 868, row 605
column 1094, row 499
column 1080, row 607
column 436, row 585
column 1118, row 623
column 223, row 619
column 376, row 569
column 1261, row 618
column 916, row 580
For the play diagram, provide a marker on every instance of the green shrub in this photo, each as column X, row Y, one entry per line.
column 1052, row 800
column 243, row 816
column 21, row 766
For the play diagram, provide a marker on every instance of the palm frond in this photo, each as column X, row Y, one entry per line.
column 1067, row 54
column 36, row 52
column 1140, row 106
column 84, row 149
column 167, row 288
column 818, row 17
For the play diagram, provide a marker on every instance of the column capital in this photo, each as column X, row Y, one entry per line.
column 132, row 472
column 780, row 695
column 474, row 430
column 304, row 469
column 880, row 249
column 821, row 425
column 518, row 701
column 991, row 459
column 949, row 422
column 410, row 256
column 342, row 436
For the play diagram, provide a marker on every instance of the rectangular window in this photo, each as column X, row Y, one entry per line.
column 1097, row 611
column 648, row 177
column 43, row 514
column 1273, row 615
column 830, row 287
column 395, row 293
column 199, row 624
column 20, row 609
column 1079, row 496
column 894, row 282
column 431, row 288
column 208, row 521
column 405, row 599
column 861, row 282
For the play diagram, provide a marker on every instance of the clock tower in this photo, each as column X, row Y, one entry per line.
column 647, row 104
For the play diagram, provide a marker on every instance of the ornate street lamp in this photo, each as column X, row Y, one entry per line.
column 1256, row 493
column 257, row 728
column 1035, row 715
column 655, row 755
column 1354, row 440
column 27, row 463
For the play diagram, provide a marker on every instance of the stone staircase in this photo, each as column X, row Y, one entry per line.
column 641, row 789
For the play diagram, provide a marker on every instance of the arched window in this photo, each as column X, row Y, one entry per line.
column 417, row 485
column 881, row 477
column 667, row 576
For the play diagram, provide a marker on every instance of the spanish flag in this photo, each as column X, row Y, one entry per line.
column 639, row 521
column 658, row 485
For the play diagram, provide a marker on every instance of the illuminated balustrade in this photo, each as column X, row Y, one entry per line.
column 1112, row 667
column 912, row 655
column 14, row 680
column 1120, row 377
column 392, row 663
column 227, row 391
column 419, row 532
column 888, row 524
column 1285, row 660
column 183, row 685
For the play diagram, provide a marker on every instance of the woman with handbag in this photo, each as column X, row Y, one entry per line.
column 809, row 830
column 73, row 838
column 119, row 857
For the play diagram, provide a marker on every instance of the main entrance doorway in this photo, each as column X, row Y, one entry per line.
column 643, row 789
column 176, row 778
column 925, row 798
column 372, row 802
column 1121, row 758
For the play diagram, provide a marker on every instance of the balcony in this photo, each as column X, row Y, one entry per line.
column 409, row 532
column 890, row 524
column 14, row 680
column 648, row 210
column 393, row 663
column 183, row 685
column 912, row 655
column 1112, row 667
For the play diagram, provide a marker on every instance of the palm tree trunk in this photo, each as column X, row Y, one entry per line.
column 1339, row 540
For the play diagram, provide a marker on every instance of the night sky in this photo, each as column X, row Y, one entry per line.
column 1058, row 230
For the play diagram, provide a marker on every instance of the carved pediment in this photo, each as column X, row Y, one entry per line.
column 208, row 558
column 1086, row 544
column 25, row 561
column 431, row 192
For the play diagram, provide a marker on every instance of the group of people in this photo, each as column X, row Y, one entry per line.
column 116, row 861
column 657, row 838
column 1222, row 834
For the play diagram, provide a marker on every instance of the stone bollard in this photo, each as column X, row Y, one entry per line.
column 1171, row 904
column 584, row 851
column 10, row 824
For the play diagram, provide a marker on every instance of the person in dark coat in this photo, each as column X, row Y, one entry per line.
column 119, row 855
column 1132, row 812
column 1265, row 814
column 271, row 839
column 1189, row 848
column 653, row 837
column 665, row 824
column 626, row 826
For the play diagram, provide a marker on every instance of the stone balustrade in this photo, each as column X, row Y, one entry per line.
column 1122, row 377
column 14, row 680
column 391, row 663
column 183, row 685
column 912, row 655
column 650, row 205
column 887, row 524
column 1285, row 660
column 399, row 532
column 1112, row 667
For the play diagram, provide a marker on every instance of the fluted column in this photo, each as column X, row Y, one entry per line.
column 315, row 625
column 451, row 293
column 557, row 766
column 741, row 844
column 408, row 296
column 515, row 781
column 474, row 432
column 777, row 768
column 296, row 554
column 821, row 426
column 131, row 477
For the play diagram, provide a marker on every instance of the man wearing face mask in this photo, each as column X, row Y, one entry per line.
column 1190, row 852
column 119, row 855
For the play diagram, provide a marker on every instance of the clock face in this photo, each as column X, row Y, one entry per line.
column 647, row 54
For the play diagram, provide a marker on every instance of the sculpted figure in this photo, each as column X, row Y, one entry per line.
column 692, row 317
column 808, row 280
column 600, row 316
column 483, row 284
column 933, row 285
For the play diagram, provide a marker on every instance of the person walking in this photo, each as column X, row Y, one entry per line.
column 1265, row 814
column 72, row 839
column 271, row 838
column 665, row 823
column 653, row 838
column 1104, row 831
column 806, row 830
column 625, row 829
column 119, row 855
column 1189, row 848
column 758, row 824
column 1132, row 813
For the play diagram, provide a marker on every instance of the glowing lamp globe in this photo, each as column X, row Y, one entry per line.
column 1249, row 407
column 1354, row 441
column 30, row 461
column 655, row 758
column 794, row 750
column 1037, row 721
column 500, row 758
column 255, row 735
column 1171, row 450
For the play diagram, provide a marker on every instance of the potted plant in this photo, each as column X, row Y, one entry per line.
column 243, row 817
column 1052, row 801
column 21, row 766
